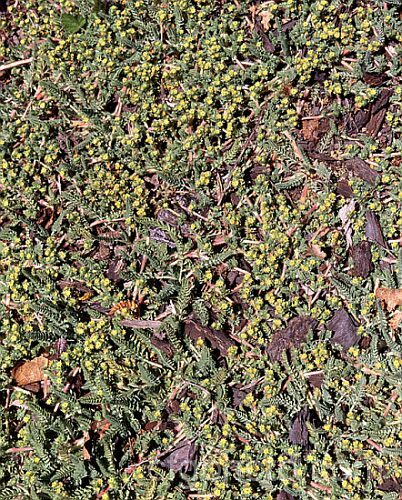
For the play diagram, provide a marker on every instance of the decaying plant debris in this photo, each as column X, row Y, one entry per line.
column 200, row 249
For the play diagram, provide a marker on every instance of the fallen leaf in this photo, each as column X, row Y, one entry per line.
column 359, row 168
column 284, row 495
column 299, row 433
column 396, row 320
column 218, row 340
column 391, row 297
column 344, row 329
column 292, row 336
column 373, row 229
column 315, row 251
column 82, row 443
column 182, row 458
column 30, row 372
column 309, row 129
column 266, row 15
column 361, row 255
column 100, row 427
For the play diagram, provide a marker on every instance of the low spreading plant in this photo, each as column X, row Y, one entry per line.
column 200, row 211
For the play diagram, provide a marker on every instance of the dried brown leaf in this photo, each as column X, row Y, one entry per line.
column 344, row 213
column 182, row 458
column 100, row 427
column 292, row 336
column 310, row 129
column 315, row 251
column 373, row 229
column 361, row 255
column 218, row 340
column 30, row 372
column 391, row 297
column 396, row 320
column 344, row 329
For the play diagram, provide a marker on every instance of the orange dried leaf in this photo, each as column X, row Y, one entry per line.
column 310, row 128
column 316, row 251
column 100, row 426
column 30, row 372
column 391, row 297
column 396, row 320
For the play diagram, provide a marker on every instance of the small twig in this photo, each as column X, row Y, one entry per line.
column 393, row 398
column 313, row 117
column 374, row 445
column 15, row 64
column 19, row 450
column 140, row 323
column 320, row 487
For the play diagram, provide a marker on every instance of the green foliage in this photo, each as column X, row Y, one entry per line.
column 72, row 24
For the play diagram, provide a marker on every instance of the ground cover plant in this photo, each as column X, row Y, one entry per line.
column 200, row 249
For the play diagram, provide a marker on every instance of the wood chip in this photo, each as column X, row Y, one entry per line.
column 359, row 168
column 218, row 340
column 140, row 323
column 292, row 336
column 344, row 329
column 361, row 255
column 299, row 433
column 182, row 458
column 373, row 229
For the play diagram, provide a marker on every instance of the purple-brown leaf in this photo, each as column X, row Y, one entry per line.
column 299, row 433
column 218, row 340
column 182, row 458
column 359, row 168
column 292, row 336
column 344, row 329
column 373, row 229
column 361, row 255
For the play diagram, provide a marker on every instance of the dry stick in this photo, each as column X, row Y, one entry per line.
column 393, row 398
column 244, row 149
column 19, row 450
column 139, row 323
column 16, row 64
column 68, row 385
column 318, row 293
column 374, row 445
column 320, row 487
